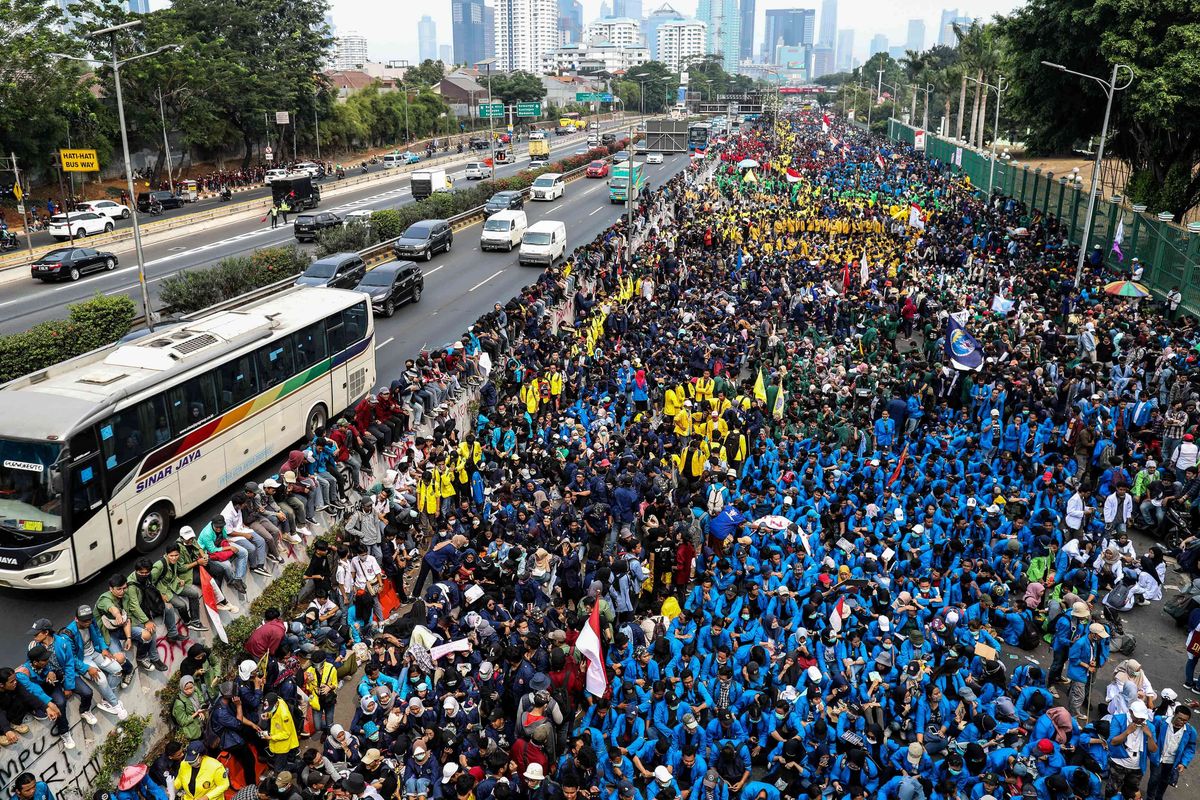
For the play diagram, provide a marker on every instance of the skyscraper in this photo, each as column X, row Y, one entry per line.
column 467, row 27
column 446, row 54
column 680, row 40
column 845, row 50
column 828, row 30
column 747, row 32
column 724, row 30
column 946, row 28
column 139, row 6
column 916, row 35
column 606, row 10
column 570, row 22
column 788, row 27
column 879, row 44
column 650, row 26
column 627, row 8
column 525, row 30
column 350, row 51
column 427, row 39
column 489, row 31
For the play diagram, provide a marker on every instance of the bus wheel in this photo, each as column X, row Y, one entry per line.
column 153, row 529
column 317, row 418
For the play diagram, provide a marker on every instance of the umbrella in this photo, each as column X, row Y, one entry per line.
column 1126, row 289
column 747, row 163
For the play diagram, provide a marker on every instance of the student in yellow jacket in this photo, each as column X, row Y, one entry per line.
column 555, row 379
column 683, row 419
column 704, row 386
column 531, row 395
column 201, row 777
column 428, row 496
column 692, row 460
column 672, row 401
column 282, row 740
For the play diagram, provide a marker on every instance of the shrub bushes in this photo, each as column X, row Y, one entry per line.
column 195, row 289
column 348, row 238
column 90, row 324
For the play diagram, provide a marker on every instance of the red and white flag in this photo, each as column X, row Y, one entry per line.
column 825, row 122
column 879, row 161
column 839, row 613
column 588, row 644
column 208, row 594
column 916, row 217
column 793, row 175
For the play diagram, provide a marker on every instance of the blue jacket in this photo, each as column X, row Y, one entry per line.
column 1187, row 745
column 146, row 789
column 1117, row 726
column 43, row 792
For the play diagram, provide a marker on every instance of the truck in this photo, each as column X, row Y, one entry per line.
column 619, row 183
column 297, row 191
column 666, row 136
column 539, row 152
column 427, row 181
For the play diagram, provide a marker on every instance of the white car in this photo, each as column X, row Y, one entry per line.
column 106, row 207
column 307, row 167
column 82, row 224
column 272, row 174
column 654, row 158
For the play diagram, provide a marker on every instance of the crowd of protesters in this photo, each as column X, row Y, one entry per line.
column 809, row 540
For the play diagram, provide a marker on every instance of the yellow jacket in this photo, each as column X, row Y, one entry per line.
column 531, row 395
column 704, row 388
column 683, row 423
column 555, row 383
column 427, row 496
column 212, row 780
column 692, row 460
column 282, row 735
column 474, row 453
column 313, row 683
column 445, row 480
column 672, row 400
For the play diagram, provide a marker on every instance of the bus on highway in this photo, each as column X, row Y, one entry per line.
column 100, row 453
column 698, row 134
column 618, row 184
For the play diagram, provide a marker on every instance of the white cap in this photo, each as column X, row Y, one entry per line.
column 898, row 513
column 662, row 774
column 918, row 529
column 1138, row 709
column 885, row 624
column 814, row 674
column 449, row 770
column 534, row 772
column 186, row 533
column 995, row 413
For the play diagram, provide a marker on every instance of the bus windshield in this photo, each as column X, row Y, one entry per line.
column 29, row 501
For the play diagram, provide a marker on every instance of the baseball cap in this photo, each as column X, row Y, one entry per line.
column 41, row 625
column 194, row 751
column 84, row 612
column 1139, row 710
column 449, row 770
column 1098, row 629
column 186, row 533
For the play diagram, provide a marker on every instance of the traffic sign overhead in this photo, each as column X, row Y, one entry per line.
column 492, row 110
column 79, row 160
column 529, row 109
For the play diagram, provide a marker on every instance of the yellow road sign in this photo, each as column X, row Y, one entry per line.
column 79, row 160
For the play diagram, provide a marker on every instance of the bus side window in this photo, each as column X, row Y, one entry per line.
column 191, row 403
column 354, row 322
column 274, row 364
column 308, row 346
column 128, row 435
column 236, row 382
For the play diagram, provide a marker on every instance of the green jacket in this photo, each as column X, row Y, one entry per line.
column 132, row 603
column 189, row 726
column 170, row 579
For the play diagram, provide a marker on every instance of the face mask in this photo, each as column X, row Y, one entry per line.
column 780, row 716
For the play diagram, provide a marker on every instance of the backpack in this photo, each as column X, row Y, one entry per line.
column 1029, row 637
column 1118, row 596
column 1125, row 644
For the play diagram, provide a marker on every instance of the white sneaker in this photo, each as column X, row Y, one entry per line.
column 294, row 539
column 306, row 531
column 230, row 607
column 68, row 741
column 108, row 708
column 88, row 717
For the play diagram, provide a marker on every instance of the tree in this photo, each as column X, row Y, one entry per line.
column 1154, row 121
column 427, row 73
column 517, row 87
column 656, row 82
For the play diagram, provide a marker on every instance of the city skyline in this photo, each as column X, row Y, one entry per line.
column 866, row 18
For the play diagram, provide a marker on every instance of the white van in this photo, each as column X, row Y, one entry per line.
column 543, row 243
column 394, row 160
column 549, row 186
column 503, row 230
column 477, row 170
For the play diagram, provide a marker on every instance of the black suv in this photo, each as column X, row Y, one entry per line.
column 164, row 198
column 608, row 138
column 423, row 239
column 307, row 226
column 389, row 285
column 504, row 201
column 338, row 271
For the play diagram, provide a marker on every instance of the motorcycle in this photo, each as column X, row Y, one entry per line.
column 8, row 241
column 155, row 209
column 226, row 195
column 364, row 168
column 460, row 148
column 341, row 173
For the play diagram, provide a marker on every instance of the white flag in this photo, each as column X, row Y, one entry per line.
column 588, row 644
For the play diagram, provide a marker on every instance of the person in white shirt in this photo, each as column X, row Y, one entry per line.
column 1186, row 455
column 1128, row 750
column 243, row 537
column 1077, row 509
column 1118, row 508
column 366, row 572
column 1176, row 748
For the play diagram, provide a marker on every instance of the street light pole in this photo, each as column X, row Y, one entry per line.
column 1000, row 88
column 166, row 145
column 1110, row 88
column 116, row 64
column 491, row 129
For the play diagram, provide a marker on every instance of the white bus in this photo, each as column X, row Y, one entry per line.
column 100, row 453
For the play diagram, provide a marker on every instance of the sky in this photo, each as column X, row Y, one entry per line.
column 391, row 28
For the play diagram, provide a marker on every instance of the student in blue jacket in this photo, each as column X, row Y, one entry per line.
column 1131, row 748
column 1176, row 739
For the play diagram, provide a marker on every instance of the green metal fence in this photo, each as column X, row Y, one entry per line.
column 1169, row 252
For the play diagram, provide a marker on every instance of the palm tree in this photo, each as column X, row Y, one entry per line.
column 989, row 57
column 968, row 49
column 913, row 63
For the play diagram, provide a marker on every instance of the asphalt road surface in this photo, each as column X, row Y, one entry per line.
column 27, row 302
column 459, row 287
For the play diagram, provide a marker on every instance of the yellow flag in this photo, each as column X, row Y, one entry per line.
column 760, row 388
column 777, row 411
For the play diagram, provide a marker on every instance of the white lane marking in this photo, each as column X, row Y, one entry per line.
column 435, row 269
column 485, row 280
column 597, row 211
column 386, row 341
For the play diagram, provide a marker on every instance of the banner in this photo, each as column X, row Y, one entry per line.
column 919, row 140
column 962, row 349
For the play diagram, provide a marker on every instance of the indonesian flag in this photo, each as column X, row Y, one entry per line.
column 209, row 595
column 846, row 278
column 825, row 122
column 879, row 160
column 833, row 143
column 588, row 644
column 839, row 613
column 916, row 217
column 793, row 175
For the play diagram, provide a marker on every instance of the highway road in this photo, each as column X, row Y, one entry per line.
column 459, row 287
column 26, row 302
